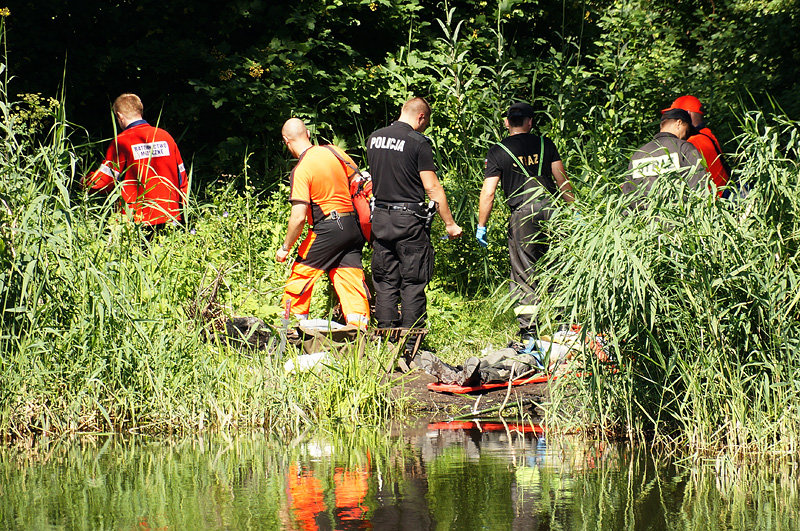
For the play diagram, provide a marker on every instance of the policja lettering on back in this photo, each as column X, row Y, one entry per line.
column 403, row 172
column 381, row 142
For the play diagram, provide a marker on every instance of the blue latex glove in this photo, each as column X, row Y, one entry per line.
column 480, row 235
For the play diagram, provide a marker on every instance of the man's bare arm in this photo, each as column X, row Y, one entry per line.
column 435, row 191
column 560, row 176
column 486, row 201
column 297, row 220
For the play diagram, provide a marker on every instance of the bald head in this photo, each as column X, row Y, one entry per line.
column 294, row 128
column 417, row 113
column 296, row 136
column 416, row 105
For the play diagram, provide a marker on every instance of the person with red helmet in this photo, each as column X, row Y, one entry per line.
column 704, row 140
column 146, row 164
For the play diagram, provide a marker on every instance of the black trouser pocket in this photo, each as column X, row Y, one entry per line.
column 416, row 262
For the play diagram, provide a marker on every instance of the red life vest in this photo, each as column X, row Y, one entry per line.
column 708, row 145
column 360, row 192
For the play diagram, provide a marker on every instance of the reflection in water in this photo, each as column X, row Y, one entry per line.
column 307, row 498
column 442, row 476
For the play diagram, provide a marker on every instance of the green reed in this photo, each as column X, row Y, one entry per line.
column 96, row 335
column 698, row 298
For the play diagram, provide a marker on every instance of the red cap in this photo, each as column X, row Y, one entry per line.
column 687, row 103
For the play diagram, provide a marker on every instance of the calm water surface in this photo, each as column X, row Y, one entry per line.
column 438, row 476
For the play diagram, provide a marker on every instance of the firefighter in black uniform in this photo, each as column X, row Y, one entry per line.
column 531, row 174
column 403, row 172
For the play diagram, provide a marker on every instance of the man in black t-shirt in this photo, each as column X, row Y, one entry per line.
column 403, row 171
column 530, row 179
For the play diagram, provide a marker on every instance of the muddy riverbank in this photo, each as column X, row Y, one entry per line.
column 413, row 387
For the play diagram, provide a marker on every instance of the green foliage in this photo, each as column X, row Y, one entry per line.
column 698, row 296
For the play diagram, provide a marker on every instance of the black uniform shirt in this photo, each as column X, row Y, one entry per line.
column 396, row 154
column 528, row 149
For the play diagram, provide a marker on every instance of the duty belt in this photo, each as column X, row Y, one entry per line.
column 336, row 216
column 417, row 208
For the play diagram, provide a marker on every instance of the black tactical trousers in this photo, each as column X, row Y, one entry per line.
column 402, row 266
column 527, row 243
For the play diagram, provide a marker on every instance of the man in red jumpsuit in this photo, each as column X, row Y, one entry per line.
column 145, row 163
column 704, row 140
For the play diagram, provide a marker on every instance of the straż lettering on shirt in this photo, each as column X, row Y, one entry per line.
column 529, row 160
column 654, row 166
column 150, row 150
column 381, row 142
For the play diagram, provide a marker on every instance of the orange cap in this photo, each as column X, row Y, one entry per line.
column 687, row 103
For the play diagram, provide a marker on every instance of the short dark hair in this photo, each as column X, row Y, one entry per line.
column 516, row 121
column 676, row 114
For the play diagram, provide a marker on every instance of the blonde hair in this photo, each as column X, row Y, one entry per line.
column 128, row 105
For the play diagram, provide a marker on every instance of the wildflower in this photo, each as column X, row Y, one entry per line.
column 256, row 71
column 5, row 12
column 225, row 214
column 193, row 232
column 475, row 33
column 225, row 75
column 373, row 6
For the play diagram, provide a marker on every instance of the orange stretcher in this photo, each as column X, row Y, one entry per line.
column 487, row 426
column 439, row 387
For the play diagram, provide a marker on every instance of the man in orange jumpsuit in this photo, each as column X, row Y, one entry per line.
column 145, row 162
column 320, row 193
column 704, row 140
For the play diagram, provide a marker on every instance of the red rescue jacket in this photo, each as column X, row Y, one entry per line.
column 145, row 162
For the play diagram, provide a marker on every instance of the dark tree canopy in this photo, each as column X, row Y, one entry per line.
column 223, row 77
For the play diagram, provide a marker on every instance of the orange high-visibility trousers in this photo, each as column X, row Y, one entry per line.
column 348, row 282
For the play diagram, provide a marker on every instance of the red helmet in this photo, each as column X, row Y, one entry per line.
column 687, row 103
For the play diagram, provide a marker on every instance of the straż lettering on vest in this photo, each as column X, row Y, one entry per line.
column 150, row 150
column 381, row 142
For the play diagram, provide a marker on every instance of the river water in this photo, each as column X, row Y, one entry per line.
column 434, row 476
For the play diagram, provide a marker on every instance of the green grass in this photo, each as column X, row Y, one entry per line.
column 97, row 331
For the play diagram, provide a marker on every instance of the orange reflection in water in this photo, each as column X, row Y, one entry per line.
column 307, row 497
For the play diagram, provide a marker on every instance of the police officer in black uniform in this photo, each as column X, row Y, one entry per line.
column 530, row 172
column 403, row 172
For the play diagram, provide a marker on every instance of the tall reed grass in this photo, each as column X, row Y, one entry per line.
column 698, row 297
column 95, row 336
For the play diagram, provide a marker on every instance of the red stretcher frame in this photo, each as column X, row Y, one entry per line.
column 439, row 387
